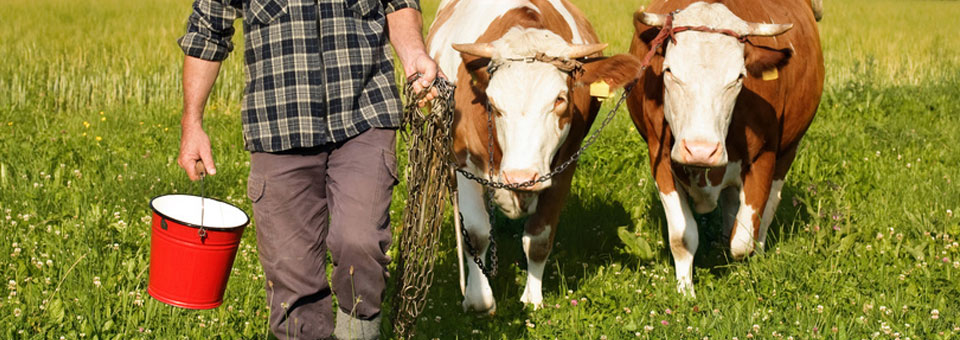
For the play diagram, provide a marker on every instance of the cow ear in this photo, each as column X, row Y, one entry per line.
column 760, row 59
column 617, row 71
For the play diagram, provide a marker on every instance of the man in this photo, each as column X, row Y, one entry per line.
column 320, row 112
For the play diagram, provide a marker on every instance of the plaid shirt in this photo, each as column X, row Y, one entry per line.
column 317, row 71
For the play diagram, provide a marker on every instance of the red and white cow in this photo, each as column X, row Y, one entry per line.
column 723, row 116
column 541, row 115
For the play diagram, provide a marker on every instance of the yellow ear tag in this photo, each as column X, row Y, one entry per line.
column 771, row 74
column 600, row 89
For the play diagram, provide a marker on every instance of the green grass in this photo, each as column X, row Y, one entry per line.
column 862, row 246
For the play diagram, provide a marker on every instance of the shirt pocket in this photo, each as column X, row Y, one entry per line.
column 363, row 8
column 266, row 11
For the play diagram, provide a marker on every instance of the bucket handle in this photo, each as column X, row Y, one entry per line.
column 202, row 171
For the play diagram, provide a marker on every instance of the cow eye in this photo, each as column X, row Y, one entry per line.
column 560, row 102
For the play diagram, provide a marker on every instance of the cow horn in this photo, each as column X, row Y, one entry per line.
column 580, row 51
column 650, row 19
column 817, row 6
column 767, row 30
column 483, row 50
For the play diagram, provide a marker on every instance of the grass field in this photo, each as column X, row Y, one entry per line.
column 864, row 245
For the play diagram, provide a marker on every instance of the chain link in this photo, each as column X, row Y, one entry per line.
column 429, row 178
column 491, row 183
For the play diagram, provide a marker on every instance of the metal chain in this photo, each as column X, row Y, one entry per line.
column 491, row 183
column 429, row 179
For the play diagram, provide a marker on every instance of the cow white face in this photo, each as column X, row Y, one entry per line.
column 703, row 74
column 529, row 100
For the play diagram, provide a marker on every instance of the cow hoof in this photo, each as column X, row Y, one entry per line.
column 527, row 302
column 480, row 308
column 687, row 290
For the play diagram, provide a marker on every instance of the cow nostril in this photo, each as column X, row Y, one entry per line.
column 701, row 151
column 520, row 176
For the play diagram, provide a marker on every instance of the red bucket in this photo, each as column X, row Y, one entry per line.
column 190, row 265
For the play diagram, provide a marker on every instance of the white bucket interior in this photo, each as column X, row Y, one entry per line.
column 187, row 209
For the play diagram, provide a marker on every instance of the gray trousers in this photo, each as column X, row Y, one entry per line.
column 307, row 201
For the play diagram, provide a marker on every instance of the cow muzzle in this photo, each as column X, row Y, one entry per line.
column 515, row 177
column 699, row 153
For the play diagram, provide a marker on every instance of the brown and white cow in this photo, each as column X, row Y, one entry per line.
column 723, row 117
column 541, row 115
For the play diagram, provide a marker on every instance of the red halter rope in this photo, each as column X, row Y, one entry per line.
column 667, row 32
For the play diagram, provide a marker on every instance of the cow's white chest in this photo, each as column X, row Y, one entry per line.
column 705, row 196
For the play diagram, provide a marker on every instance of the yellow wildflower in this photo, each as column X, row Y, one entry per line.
column 99, row 138
column 103, row 119
column 86, row 124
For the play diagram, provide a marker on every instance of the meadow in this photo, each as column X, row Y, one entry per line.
column 864, row 245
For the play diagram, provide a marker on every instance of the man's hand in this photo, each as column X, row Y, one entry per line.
column 195, row 146
column 405, row 27
column 427, row 68
column 198, row 78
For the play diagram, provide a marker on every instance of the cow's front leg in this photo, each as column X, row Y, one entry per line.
column 753, row 199
column 537, row 243
column 476, row 222
column 769, row 211
column 682, row 229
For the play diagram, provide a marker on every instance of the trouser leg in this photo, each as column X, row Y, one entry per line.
column 291, row 213
column 360, row 179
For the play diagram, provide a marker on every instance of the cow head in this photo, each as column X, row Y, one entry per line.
column 532, row 101
column 703, row 73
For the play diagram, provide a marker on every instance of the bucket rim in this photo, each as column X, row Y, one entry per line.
column 195, row 226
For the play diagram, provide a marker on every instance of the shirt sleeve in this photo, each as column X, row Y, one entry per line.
column 210, row 29
column 395, row 5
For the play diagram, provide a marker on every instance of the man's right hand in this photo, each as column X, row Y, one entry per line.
column 195, row 146
column 198, row 78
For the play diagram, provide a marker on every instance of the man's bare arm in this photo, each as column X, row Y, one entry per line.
column 198, row 78
column 405, row 27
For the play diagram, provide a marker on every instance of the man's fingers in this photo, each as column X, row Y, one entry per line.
column 429, row 73
column 417, row 87
column 188, row 166
column 206, row 159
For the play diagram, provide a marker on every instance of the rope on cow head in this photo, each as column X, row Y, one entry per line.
column 668, row 32
column 570, row 66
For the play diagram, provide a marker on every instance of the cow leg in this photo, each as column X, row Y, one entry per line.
column 729, row 204
column 784, row 160
column 682, row 229
column 476, row 222
column 540, row 231
column 537, row 243
column 745, row 233
column 772, row 202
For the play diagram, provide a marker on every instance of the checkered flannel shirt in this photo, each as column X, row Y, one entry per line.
column 317, row 71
